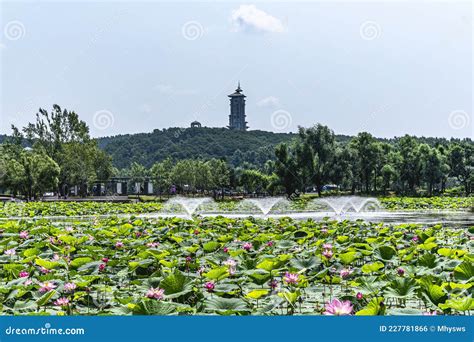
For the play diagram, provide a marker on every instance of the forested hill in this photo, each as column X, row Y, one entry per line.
column 254, row 147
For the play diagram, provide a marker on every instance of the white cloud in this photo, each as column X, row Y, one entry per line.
column 2, row 46
column 270, row 101
column 250, row 18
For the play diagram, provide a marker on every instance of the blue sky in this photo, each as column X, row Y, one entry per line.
column 388, row 68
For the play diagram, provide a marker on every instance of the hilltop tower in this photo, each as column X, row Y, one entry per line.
column 237, row 111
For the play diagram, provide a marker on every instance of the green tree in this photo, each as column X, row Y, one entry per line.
column 254, row 181
column 368, row 153
column 409, row 168
column 461, row 163
column 388, row 173
column 432, row 167
column 161, row 175
column 220, row 174
column 63, row 137
column 27, row 172
column 321, row 142
column 286, row 169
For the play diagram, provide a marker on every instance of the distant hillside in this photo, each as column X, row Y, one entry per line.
column 181, row 143
column 254, row 147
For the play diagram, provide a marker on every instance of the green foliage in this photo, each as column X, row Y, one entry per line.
column 62, row 154
column 176, row 285
column 375, row 307
column 237, row 147
column 285, row 277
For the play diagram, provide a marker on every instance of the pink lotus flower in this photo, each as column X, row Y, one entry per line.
column 55, row 257
column 247, row 246
column 327, row 253
column 401, row 272
column 291, row 278
column 327, row 246
column 106, row 260
column 10, row 251
column 201, row 270
column 188, row 259
column 23, row 274
column 226, row 250
column 209, row 286
column 230, row 262
column 338, row 308
column 28, row 282
column 119, row 244
column 138, row 234
column 273, row 284
column 69, row 228
column 69, row 287
column 101, row 267
column 152, row 244
column 415, row 239
column 24, row 234
column 432, row 313
column 47, row 286
column 345, row 272
column 155, row 293
column 232, row 265
column 44, row 270
column 324, row 231
column 270, row 243
column 63, row 301
column 359, row 295
column 196, row 232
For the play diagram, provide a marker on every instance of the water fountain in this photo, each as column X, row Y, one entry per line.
column 190, row 205
column 264, row 204
column 334, row 208
column 344, row 204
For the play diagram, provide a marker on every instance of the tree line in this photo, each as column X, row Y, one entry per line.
column 63, row 155
column 315, row 159
column 367, row 165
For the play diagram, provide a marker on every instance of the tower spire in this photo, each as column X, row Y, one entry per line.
column 237, row 110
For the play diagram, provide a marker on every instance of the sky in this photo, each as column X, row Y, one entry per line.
column 387, row 67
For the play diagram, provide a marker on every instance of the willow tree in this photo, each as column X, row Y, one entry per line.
column 63, row 137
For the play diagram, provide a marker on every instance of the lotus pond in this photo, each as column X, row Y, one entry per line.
column 74, row 209
column 218, row 265
column 35, row 209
